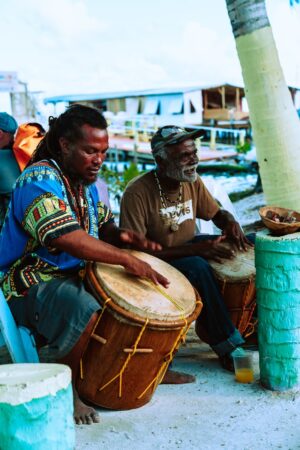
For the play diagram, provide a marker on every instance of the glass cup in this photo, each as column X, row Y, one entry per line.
column 243, row 367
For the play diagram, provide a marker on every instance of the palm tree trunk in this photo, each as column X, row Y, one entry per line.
column 273, row 117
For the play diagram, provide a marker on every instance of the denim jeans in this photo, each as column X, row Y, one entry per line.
column 223, row 337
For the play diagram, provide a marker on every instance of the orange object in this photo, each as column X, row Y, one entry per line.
column 244, row 375
column 28, row 136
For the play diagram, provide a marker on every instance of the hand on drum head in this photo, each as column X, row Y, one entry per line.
column 138, row 240
column 142, row 269
column 214, row 249
column 235, row 234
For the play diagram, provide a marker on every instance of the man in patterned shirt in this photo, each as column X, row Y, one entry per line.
column 56, row 222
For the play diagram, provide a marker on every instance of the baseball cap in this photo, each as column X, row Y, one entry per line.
column 8, row 123
column 171, row 134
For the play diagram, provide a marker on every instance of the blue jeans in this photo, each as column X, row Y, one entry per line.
column 223, row 337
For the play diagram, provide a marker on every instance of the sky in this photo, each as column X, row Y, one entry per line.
column 85, row 46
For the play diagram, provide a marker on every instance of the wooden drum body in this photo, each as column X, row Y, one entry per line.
column 236, row 280
column 139, row 329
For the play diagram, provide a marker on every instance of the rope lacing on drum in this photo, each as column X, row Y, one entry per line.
column 120, row 374
column 168, row 358
column 95, row 326
column 241, row 328
column 165, row 294
column 181, row 337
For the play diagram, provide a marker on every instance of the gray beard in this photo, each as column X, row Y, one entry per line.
column 178, row 173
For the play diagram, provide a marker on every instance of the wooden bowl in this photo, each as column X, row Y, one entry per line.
column 280, row 228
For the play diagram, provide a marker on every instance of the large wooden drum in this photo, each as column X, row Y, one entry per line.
column 139, row 329
column 236, row 280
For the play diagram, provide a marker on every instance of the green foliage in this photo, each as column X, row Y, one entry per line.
column 243, row 148
column 217, row 167
column 116, row 181
column 235, row 196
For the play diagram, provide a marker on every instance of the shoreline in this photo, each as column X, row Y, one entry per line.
column 247, row 212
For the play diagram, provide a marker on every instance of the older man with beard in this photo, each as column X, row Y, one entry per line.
column 163, row 205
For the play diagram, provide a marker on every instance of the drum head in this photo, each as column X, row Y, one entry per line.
column 240, row 268
column 140, row 297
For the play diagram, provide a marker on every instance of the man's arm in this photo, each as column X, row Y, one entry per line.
column 120, row 237
column 80, row 245
column 231, row 229
column 209, row 249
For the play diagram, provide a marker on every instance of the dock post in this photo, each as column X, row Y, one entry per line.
column 212, row 144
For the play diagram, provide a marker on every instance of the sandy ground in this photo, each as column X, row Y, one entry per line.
column 213, row 413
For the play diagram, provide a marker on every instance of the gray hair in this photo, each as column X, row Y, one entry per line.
column 161, row 151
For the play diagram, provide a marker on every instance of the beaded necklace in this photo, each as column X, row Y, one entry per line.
column 174, row 225
column 77, row 200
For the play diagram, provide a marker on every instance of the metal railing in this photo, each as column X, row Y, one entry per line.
column 141, row 129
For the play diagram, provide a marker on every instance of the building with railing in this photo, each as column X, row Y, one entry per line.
column 133, row 116
column 197, row 105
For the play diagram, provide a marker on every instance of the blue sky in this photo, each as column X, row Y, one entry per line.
column 77, row 46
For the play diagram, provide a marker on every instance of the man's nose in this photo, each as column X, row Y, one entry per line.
column 194, row 158
column 98, row 158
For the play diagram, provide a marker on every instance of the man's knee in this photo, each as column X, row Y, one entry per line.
column 194, row 268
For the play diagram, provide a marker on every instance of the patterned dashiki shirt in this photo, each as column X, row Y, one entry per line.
column 43, row 207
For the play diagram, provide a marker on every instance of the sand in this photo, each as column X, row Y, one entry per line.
column 213, row 413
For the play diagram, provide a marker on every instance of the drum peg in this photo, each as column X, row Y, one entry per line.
column 138, row 350
column 99, row 338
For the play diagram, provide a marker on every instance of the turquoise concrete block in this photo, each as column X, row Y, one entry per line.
column 277, row 261
column 270, row 299
column 36, row 407
column 279, row 374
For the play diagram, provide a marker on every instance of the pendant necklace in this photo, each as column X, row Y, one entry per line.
column 174, row 226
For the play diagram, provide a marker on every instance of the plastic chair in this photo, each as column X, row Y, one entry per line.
column 18, row 340
column 207, row 226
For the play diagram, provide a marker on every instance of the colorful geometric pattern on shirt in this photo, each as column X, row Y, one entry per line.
column 38, row 172
column 48, row 216
column 26, row 272
column 49, row 205
column 104, row 214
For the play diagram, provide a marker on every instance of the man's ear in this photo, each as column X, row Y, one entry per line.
column 161, row 162
column 64, row 145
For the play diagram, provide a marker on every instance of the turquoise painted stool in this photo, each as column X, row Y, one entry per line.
column 18, row 340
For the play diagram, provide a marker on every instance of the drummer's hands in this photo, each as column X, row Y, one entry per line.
column 213, row 249
column 142, row 269
column 234, row 233
column 138, row 240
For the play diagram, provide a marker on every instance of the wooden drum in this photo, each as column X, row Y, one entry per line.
column 139, row 329
column 236, row 280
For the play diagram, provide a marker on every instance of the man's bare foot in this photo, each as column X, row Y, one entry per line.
column 173, row 377
column 83, row 414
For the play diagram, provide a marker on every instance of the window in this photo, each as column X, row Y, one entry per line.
column 152, row 106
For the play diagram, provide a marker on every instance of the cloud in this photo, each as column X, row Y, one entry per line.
column 285, row 23
column 77, row 46
column 67, row 19
column 201, row 53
